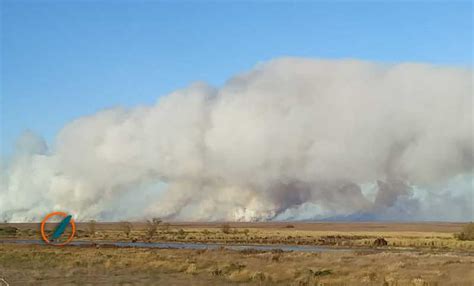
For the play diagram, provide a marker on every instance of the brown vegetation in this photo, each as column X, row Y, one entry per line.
column 225, row 228
column 422, row 266
column 430, row 236
column 152, row 227
column 126, row 227
column 380, row 242
column 91, row 227
column 467, row 232
column 30, row 264
column 8, row 231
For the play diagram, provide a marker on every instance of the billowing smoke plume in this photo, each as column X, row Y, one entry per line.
column 291, row 139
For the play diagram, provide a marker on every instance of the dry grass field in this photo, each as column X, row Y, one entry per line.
column 43, row 265
column 416, row 254
column 362, row 235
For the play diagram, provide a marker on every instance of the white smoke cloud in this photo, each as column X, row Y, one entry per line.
column 293, row 138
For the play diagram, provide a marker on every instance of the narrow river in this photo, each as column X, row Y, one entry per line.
column 186, row 245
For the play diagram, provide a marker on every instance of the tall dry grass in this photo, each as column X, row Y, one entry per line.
column 59, row 266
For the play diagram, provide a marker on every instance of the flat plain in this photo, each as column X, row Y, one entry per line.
column 414, row 254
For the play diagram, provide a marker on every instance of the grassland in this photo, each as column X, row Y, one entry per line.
column 416, row 254
column 40, row 265
column 354, row 235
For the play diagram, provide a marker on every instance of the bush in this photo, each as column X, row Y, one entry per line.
column 181, row 232
column 152, row 226
column 380, row 242
column 225, row 228
column 467, row 232
column 8, row 230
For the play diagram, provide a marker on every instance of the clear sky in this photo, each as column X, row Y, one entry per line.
column 63, row 59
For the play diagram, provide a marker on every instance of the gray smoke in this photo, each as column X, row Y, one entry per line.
column 293, row 138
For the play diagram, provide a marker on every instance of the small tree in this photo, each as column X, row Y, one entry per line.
column 152, row 226
column 126, row 227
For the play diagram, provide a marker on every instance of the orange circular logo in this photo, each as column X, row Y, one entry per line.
column 59, row 230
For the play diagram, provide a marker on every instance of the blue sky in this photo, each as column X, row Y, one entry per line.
column 63, row 59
